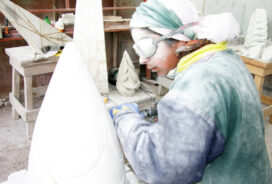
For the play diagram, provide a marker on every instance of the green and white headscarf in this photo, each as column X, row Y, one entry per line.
column 162, row 15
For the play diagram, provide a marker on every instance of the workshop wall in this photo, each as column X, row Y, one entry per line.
column 124, row 38
column 242, row 10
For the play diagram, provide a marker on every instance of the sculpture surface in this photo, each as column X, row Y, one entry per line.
column 89, row 38
column 256, row 37
column 127, row 78
column 74, row 141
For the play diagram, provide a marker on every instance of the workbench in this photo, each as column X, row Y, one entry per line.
column 260, row 70
column 23, row 64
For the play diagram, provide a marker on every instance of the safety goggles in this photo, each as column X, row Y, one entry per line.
column 146, row 47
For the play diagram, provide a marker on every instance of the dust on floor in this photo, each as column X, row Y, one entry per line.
column 14, row 148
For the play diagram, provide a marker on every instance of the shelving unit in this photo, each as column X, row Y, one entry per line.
column 108, row 26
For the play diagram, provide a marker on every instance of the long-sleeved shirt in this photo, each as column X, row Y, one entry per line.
column 210, row 129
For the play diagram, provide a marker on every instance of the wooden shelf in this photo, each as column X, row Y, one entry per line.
column 62, row 10
column 108, row 27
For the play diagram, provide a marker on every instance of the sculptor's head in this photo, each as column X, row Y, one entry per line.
column 162, row 58
column 156, row 18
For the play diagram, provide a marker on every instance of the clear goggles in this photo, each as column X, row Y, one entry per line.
column 146, row 47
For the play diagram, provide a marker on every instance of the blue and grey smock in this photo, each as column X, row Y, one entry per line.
column 210, row 129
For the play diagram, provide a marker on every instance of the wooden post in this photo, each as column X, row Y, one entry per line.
column 259, row 81
column 15, row 90
column 147, row 73
column 28, row 92
column 67, row 4
column 115, row 40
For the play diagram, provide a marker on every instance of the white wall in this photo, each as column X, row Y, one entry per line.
column 242, row 10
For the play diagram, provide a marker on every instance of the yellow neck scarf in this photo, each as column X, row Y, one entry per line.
column 195, row 56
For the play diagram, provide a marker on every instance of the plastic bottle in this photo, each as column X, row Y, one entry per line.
column 47, row 20
column 59, row 25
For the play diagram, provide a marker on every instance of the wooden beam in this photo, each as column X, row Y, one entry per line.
column 267, row 111
column 67, row 4
column 256, row 62
column 73, row 9
column 29, row 115
column 266, row 100
column 259, row 81
column 15, row 90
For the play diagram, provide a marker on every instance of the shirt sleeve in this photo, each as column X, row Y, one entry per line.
column 174, row 150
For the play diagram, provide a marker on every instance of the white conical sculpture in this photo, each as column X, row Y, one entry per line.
column 35, row 31
column 127, row 78
column 74, row 140
column 256, row 37
column 89, row 38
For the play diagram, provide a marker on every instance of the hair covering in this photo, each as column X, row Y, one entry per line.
column 163, row 16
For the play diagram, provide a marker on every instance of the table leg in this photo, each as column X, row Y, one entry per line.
column 28, row 93
column 29, row 129
column 15, row 90
column 28, row 105
column 259, row 81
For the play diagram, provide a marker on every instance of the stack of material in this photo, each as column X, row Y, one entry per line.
column 35, row 31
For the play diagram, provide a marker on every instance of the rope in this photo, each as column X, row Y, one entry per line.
column 31, row 28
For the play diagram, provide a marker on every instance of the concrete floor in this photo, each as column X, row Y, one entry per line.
column 14, row 148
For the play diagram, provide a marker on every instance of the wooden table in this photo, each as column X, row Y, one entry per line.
column 260, row 70
column 23, row 64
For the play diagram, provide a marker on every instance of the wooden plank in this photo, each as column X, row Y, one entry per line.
column 28, row 92
column 17, row 105
column 40, row 69
column 147, row 73
column 29, row 115
column 253, row 62
column 29, row 129
column 268, row 71
column 37, row 92
column 255, row 70
column 114, row 50
column 267, row 111
column 259, row 80
column 64, row 10
column 266, row 100
column 67, row 4
column 112, row 18
column 90, row 40
column 15, row 90
column 256, row 62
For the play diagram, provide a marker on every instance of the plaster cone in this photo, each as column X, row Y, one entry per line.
column 256, row 37
column 74, row 140
column 127, row 79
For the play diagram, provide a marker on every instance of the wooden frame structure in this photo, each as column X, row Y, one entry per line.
column 260, row 70
column 21, row 60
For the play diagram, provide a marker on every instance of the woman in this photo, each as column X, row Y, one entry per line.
column 210, row 125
